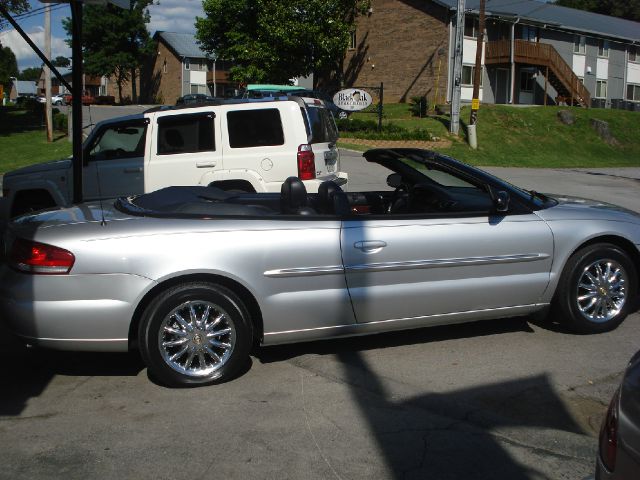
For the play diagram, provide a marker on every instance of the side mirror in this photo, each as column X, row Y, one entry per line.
column 501, row 201
column 394, row 180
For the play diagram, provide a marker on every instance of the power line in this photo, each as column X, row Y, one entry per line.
column 32, row 13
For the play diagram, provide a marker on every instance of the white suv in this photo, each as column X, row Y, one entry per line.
column 240, row 145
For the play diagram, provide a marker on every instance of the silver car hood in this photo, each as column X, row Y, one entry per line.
column 576, row 208
column 63, row 164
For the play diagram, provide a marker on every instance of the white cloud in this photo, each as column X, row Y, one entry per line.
column 175, row 16
column 24, row 54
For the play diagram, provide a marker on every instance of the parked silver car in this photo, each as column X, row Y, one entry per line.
column 193, row 276
column 619, row 450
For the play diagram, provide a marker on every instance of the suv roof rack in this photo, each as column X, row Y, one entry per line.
column 232, row 101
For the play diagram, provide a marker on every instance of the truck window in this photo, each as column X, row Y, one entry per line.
column 186, row 134
column 119, row 141
column 255, row 128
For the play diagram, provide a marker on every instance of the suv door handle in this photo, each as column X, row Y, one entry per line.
column 205, row 164
column 370, row 246
column 133, row 170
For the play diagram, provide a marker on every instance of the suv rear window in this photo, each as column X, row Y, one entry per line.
column 255, row 128
column 186, row 133
column 322, row 125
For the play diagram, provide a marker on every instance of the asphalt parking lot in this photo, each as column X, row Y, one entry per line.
column 505, row 399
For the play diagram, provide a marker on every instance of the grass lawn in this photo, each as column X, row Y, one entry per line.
column 23, row 140
column 531, row 137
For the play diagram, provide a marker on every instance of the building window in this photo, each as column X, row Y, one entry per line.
column 601, row 89
column 634, row 54
column 603, row 48
column 579, row 44
column 471, row 27
column 468, row 74
column 530, row 34
column 352, row 40
column 527, row 81
column 164, row 67
column 633, row 92
column 186, row 134
column 187, row 64
column 197, row 88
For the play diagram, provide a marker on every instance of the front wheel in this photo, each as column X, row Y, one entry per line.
column 195, row 334
column 596, row 289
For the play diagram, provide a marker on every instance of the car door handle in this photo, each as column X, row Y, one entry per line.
column 133, row 170
column 370, row 246
column 205, row 164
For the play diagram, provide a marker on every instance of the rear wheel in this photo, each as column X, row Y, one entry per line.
column 195, row 334
column 596, row 289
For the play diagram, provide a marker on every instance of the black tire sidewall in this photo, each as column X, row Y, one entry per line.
column 167, row 301
column 566, row 301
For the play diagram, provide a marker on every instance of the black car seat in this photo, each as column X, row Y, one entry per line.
column 293, row 198
column 332, row 200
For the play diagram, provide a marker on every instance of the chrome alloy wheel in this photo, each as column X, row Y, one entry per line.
column 197, row 338
column 601, row 290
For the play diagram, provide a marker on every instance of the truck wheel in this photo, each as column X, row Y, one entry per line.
column 31, row 201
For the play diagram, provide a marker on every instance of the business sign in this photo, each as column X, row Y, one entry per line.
column 352, row 99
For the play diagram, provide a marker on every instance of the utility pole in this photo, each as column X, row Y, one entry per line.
column 454, row 127
column 477, row 75
column 47, row 72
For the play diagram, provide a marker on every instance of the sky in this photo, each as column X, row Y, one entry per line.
column 168, row 15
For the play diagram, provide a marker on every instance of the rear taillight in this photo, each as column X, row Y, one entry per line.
column 34, row 257
column 609, row 435
column 306, row 162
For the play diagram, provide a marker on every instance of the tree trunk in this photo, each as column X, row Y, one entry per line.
column 134, row 90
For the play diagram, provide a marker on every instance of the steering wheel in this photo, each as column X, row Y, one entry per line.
column 428, row 196
column 401, row 199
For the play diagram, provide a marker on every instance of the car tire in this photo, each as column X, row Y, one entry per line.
column 596, row 289
column 195, row 334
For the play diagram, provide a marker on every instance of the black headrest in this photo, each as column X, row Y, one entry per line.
column 341, row 206
column 293, row 195
column 326, row 191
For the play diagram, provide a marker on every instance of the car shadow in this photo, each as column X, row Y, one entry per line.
column 394, row 339
column 25, row 372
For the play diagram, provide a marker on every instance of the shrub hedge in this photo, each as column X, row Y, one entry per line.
column 368, row 129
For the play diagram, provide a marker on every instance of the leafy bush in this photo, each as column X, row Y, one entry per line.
column 419, row 106
column 368, row 129
column 60, row 122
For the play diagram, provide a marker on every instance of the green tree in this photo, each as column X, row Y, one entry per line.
column 276, row 40
column 15, row 6
column 61, row 62
column 31, row 73
column 115, row 41
column 627, row 9
column 8, row 65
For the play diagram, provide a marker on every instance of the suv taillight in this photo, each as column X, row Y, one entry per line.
column 609, row 434
column 306, row 162
column 34, row 257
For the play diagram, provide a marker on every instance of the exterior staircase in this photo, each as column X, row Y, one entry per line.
column 557, row 72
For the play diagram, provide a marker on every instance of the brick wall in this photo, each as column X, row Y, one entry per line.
column 403, row 43
column 166, row 76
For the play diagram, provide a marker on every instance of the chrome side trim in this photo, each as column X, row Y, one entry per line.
column 322, row 333
column 305, row 271
column 447, row 262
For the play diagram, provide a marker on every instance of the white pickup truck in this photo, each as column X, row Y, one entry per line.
column 236, row 145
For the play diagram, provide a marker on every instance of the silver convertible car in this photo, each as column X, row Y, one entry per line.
column 194, row 276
